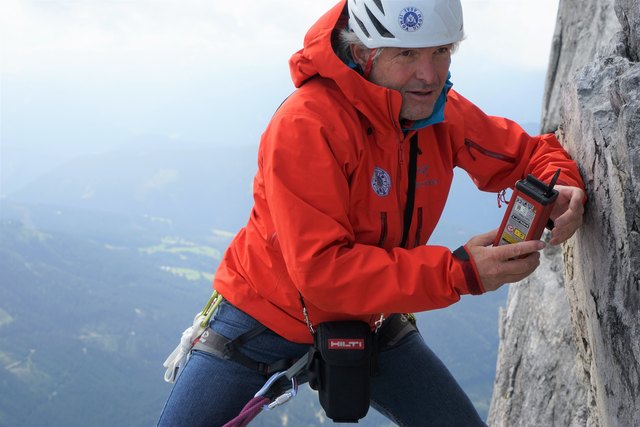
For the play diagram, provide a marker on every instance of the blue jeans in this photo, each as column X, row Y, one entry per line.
column 412, row 387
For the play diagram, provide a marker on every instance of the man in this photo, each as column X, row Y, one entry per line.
column 354, row 172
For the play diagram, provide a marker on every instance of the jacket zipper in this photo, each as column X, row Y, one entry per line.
column 411, row 189
column 418, row 228
column 493, row 154
column 383, row 229
column 401, row 144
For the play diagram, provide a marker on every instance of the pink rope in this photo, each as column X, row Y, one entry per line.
column 249, row 412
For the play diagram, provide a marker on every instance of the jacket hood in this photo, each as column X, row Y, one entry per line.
column 379, row 104
column 317, row 58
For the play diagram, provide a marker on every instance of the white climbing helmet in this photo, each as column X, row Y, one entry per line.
column 406, row 23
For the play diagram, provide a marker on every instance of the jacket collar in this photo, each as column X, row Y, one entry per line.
column 380, row 105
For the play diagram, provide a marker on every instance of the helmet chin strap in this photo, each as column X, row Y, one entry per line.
column 367, row 68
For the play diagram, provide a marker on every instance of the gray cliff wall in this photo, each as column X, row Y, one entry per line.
column 583, row 30
column 537, row 360
column 570, row 343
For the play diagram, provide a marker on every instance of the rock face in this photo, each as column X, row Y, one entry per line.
column 570, row 344
column 583, row 30
column 532, row 388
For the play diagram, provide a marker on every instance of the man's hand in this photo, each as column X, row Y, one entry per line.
column 567, row 213
column 502, row 264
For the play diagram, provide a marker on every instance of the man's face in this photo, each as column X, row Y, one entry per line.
column 419, row 74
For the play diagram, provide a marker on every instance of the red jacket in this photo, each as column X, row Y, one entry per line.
column 331, row 190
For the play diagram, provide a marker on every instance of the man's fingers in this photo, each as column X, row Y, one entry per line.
column 503, row 264
column 516, row 250
column 573, row 214
column 570, row 210
column 514, row 269
column 567, row 223
column 484, row 239
column 577, row 200
column 519, row 268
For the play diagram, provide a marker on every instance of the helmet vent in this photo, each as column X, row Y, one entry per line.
column 381, row 28
column 379, row 4
column 362, row 27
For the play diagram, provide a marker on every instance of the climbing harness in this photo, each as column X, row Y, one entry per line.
column 212, row 342
column 338, row 365
column 180, row 355
column 285, row 374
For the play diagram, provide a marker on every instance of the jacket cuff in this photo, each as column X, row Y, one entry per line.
column 470, row 271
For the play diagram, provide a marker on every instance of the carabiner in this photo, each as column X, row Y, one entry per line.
column 212, row 305
column 284, row 397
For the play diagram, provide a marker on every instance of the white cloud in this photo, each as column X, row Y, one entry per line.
column 169, row 33
column 514, row 33
column 41, row 36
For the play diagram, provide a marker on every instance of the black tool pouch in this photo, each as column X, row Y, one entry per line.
column 340, row 368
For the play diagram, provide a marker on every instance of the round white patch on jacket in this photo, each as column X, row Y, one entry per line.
column 381, row 182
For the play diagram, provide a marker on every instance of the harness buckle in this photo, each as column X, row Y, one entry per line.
column 379, row 322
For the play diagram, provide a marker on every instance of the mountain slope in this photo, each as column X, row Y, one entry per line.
column 85, row 328
column 196, row 188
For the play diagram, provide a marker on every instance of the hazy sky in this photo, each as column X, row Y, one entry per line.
column 86, row 76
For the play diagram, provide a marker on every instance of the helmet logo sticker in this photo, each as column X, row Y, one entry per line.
column 410, row 19
column 381, row 182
